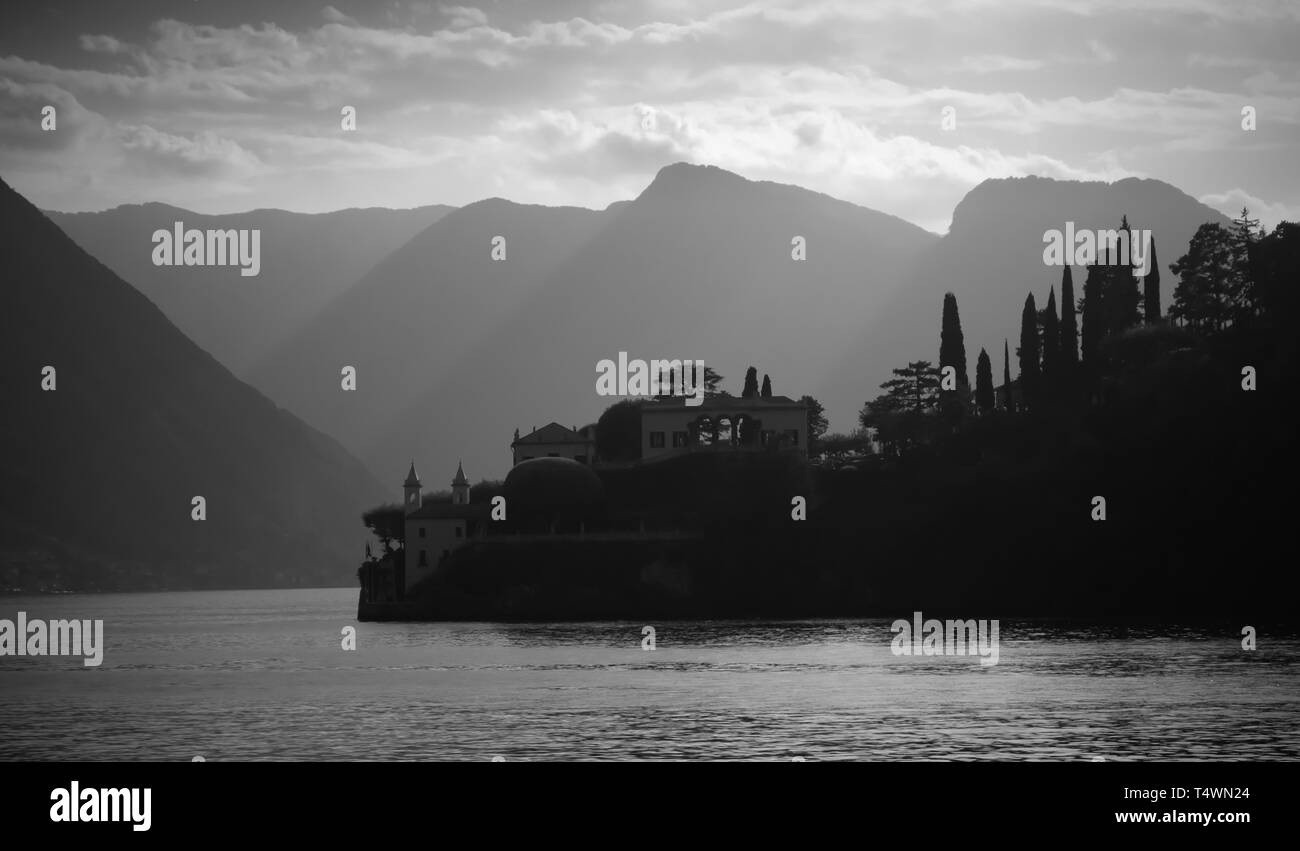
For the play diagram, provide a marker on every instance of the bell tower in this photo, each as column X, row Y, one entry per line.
column 460, row 487
column 411, row 490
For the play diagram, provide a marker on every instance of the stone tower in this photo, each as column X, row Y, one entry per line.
column 460, row 487
column 411, row 490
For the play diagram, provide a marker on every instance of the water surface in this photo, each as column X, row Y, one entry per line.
column 261, row 675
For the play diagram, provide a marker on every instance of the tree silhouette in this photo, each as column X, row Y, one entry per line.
column 387, row 522
column 766, row 392
column 1006, row 375
column 1069, row 344
column 1094, row 319
column 914, row 388
column 984, row 383
column 1202, row 298
column 952, row 347
column 1121, row 301
column 817, row 423
column 1151, row 289
column 1241, row 280
column 750, row 390
column 618, row 431
column 1051, row 342
column 712, row 383
column 1028, row 354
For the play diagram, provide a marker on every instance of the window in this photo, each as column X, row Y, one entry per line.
column 552, row 455
column 458, row 531
column 424, row 557
column 792, row 435
column 581, row 459
column 679, row 439
column 422, row 530
column 446, row 553
column 656, row 440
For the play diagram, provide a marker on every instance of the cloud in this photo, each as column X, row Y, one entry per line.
column 990, row 63
column 203, row 154
column 458, row 103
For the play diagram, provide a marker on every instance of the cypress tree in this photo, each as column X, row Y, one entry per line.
column 1069, row 345
column 1028, row 353
column 766, row 392
column 1051, row 344
column 1151, row 288
column 984, row 383
column 952, row 347
column 1121, row 302
column 750, row 390
column 1006, row 375
column 1093, row 318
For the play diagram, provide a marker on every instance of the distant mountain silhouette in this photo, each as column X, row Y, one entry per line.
column 457, row 350
column 97, row 476
column 992, row 257
column 410, row 324
column 307, row 260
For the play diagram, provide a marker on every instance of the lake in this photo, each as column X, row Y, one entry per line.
column 261, row 675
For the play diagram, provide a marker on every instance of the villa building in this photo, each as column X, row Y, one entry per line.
column 435, row 529
column 556, row 441
column 670, row 426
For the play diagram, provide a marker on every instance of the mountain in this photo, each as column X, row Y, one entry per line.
column 306, row 260
column 98, row 474
column 992, row 257
column 407, row 324
column 459, row 350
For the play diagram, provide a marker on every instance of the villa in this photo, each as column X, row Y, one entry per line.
column 669, row 426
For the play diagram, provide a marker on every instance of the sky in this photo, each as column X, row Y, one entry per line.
column 235, row 105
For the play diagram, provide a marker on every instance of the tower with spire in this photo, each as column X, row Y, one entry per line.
column 460, row 487
column 411, row 490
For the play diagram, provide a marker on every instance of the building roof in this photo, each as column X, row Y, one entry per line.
column 412, row 479
column 460, row 475
column 448, row 511
column 551, row 433
column 721, row 403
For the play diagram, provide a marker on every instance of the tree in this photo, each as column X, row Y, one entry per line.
column 750, row 390
column 902, row 416
column 1276, row 266
column 1069, row 344
column 1051, row 342
column 766, row 392
column 387, row 522
column 1028, row 354
column 1241, row 280
column 1151, row 289
column 618, row 431
column 817, row 423
column 1201, row 298
column 1006, row 375
column 712, row 380
column 833, row 446
column 984, row 383
column 1094, row 319
column 1120, row 299
column 914, row 388
column 952, row 347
